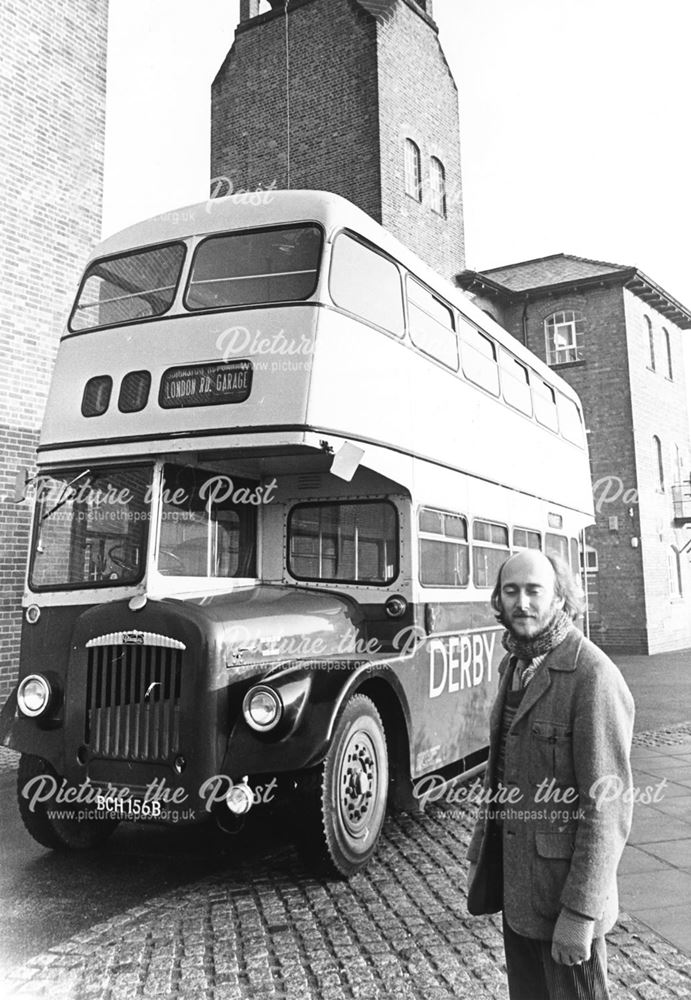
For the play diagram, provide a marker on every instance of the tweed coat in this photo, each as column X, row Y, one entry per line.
column 569, row 773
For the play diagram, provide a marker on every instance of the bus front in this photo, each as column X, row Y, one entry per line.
column 156, row 598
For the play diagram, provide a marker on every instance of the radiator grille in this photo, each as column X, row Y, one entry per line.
column 133, row 701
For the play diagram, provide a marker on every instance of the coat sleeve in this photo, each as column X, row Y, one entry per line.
column 602, row 732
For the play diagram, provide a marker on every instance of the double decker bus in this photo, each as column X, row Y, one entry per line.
column 281, row 464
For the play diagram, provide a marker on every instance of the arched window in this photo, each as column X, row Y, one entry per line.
column 657, row 444
column 438, row 186
column 651, row 345
column 668, row 345
column 564, row 337
column 413, row 172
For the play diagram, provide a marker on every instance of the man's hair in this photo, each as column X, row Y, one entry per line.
column 566, row 587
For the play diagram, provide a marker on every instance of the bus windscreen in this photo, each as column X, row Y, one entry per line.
column 90, row 528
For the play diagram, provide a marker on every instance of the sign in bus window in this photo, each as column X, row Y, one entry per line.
column 490, row 549
column 367, row 284
column 133, row 286
column 431, row 325
column 205, row 385
column 346, row 542
column 208, row 524
column 444, row 558
column 90, row 528
column 479, row 357
column 253, row 268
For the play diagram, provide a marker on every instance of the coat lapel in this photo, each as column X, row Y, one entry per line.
column 534, row 691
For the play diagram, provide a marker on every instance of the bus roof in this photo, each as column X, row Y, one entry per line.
column 250, row 210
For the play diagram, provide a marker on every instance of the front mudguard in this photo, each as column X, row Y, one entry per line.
column 317, row 698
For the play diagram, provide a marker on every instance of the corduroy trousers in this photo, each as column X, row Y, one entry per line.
column 534, row 975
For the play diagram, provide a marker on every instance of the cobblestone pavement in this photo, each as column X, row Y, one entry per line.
column 265, row 928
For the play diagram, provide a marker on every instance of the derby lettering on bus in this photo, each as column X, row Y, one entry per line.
column 458, row 662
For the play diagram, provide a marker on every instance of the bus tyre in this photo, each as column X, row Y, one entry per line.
column 65, row 831
column 345, row 798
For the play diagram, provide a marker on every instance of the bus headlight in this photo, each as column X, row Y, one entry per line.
column 262, row 708
column 34, row 695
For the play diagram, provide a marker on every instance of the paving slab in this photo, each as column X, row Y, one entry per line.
column 674, row 922
column 635, row 860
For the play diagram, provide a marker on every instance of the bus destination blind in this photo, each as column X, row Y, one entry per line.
column 205, row 385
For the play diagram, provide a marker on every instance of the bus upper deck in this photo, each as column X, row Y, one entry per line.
column 300, row 321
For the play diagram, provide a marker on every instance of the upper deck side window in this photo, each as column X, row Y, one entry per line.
column 367, row 284
column 255, row 267
column 570, row 420
column 128, row 287
column 545, row 404
column 431, row 324
column 479, row 356
column 515, row 383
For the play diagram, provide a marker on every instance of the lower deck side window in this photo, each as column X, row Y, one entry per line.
column 444, row 557
column 490, row 550
column 348, row 542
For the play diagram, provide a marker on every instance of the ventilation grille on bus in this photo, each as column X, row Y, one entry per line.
column 309, row 483
column 133, row 701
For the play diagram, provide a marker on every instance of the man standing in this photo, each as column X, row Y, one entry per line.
column 546, row 850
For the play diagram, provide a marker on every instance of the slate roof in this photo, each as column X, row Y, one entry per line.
column 554, row 270
column 528, row 279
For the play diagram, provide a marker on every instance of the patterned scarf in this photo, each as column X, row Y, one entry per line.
column 542, row 643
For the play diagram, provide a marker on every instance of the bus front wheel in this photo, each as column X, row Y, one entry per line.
column 345, row 798
column 52, row 824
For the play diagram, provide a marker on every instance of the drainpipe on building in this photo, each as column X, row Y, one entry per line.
column 524, row 323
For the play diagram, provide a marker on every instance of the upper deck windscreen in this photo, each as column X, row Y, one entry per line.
column 250, row 268
column 132, row 286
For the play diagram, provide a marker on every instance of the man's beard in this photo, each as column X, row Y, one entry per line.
column 507, row 621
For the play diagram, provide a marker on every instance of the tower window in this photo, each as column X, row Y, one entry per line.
column 438, row 186
column 651, row 345
column 668, row 345
column 413, row 170
column 564, row 337
column 657, row 445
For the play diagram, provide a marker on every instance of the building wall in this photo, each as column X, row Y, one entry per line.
column 418, row 99
column 659, row 407
column 334, row 130
column 601, row 379
column 359, row 85
column 52, row 94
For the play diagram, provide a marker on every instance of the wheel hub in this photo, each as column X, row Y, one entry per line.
column 359, row 777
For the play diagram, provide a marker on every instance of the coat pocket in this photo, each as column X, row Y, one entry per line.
column 550, row 869
column 551, row 753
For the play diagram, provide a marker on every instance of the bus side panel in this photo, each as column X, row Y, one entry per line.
column 450, row 685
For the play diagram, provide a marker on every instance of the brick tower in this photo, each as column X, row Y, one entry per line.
column 52, row 105
column 349, row 96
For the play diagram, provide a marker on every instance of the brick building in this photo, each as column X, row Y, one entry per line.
column 52, row 107
column 616, row 337
column 350, row 96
